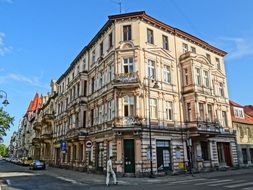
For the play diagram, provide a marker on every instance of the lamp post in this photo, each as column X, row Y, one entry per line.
column 3, row 94
column 149, row 123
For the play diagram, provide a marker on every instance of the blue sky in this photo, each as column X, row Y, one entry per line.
column 39, row 39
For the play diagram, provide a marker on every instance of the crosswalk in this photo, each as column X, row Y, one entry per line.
column 242, row 184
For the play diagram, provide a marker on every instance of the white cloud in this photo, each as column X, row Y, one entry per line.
column 6, row 1
column 33, row 81
column 3, row 48
column 238, row 47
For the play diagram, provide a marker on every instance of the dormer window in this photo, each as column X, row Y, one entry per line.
column 238, row 112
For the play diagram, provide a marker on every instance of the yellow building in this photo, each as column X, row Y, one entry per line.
column 142, row 89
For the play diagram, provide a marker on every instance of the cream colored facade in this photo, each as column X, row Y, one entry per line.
column 103, row 97
column 243, row 124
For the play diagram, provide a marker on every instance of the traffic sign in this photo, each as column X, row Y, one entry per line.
column 88, row 144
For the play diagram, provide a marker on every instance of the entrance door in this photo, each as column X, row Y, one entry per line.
column 227, row 154
column 99, row 156
column 58, row 159
column 163, row 155
column 129, row 161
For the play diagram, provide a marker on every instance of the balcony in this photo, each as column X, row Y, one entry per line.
column 132, row 123
column 46, row 135
column 203, row 128
column 48, row 117
column 37, row 125
column 76, row 133
column 124, row 80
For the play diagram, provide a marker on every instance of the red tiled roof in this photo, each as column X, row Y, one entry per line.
column 34, row 104
column 249, row 110
column 248, row 119
column 232, row 103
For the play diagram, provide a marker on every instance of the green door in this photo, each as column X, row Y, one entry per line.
column 129, row 161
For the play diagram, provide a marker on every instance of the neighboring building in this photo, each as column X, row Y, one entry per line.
column 13, row 145
column 138, row 82
column 43, row 126
column 243, row 124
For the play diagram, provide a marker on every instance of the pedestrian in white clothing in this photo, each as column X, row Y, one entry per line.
column 110, row 172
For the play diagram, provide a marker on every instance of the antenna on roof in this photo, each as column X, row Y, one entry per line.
column 120, row 5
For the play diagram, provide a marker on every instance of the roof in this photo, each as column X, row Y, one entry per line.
column 247, row 118
column 34, row 104
column 249, row 110
column 142, row 15
column 232, row 103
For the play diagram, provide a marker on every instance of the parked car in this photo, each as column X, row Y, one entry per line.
column 38, row 164
column 27, row 161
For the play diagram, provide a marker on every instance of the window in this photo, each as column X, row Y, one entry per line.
column 85, row 88
column 92, row 117
column 206, row 79
column 151, row 69
column 109, row 73
column 168, row 110
column 224, row 119
column 186, row 77
column 204, row 150
column 208, row 57
column 153, row 109
column 198, row 82
column 101, row 49
column 73, row 75
column 165, row 42
column 84, row 119
column 150, row 36
column 110, row 40
column 101, row 114
column 77, row 69
column 238, row 112
column 217, row 60
column 201, row 112
column 84, row 64
column 128, row 65
column 129, row 106
column 100, row 80
column 210, row 112
column 188, row 111
column 193, row 49
column 167, row 74
column 93, row 57
column 93, row 84
column 185, row 48
column 78, row 89
column 221, row 89
column 127, row 33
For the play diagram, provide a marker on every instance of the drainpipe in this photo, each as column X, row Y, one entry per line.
column 179, row 97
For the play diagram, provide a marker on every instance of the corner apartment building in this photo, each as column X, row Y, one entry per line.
column 141, row 82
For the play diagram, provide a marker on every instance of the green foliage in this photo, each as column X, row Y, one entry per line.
column 5, row 121
column 3, row 150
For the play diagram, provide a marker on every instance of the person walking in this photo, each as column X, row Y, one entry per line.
column 110, row 172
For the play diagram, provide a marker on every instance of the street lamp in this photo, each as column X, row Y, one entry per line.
column 149, row 123
column 3, row 94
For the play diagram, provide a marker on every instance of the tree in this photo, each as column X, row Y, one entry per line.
column 3, row 150
column 5, row 121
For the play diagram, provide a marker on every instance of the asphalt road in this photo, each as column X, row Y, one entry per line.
column 16, row 177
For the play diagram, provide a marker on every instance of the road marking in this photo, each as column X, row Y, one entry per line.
column 8, row 182
column 224, row 183
column 213, row 181
column 248, row 188
column 185, row 181
column 239, row 185
column 68, row 180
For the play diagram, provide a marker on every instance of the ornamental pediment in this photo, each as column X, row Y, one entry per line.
column 164, row 54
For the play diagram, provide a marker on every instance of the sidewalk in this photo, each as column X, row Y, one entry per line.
column 95, row 179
